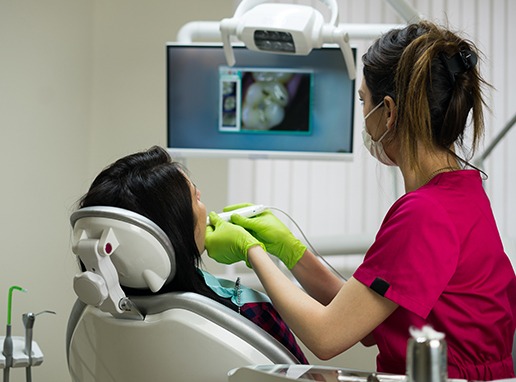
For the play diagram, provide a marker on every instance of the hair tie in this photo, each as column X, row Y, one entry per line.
column 460, row 62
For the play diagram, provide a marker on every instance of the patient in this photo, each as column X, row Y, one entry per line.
column 151, row 184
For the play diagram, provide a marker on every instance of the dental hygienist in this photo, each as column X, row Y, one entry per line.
column 437, row 259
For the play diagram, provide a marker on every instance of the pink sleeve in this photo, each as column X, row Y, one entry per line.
column 414, row 255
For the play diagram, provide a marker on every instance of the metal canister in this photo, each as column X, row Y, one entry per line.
column 427, row 357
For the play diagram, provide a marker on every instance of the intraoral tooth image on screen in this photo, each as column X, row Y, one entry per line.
column 265, row 100
column 267, row 105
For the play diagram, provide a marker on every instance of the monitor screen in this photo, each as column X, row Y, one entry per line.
column 266, row 106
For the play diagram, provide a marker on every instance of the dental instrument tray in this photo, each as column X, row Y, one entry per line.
column 19, row 357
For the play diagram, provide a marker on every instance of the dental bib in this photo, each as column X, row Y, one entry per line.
column 238, row 293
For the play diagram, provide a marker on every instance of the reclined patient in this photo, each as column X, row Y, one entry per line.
column 151, row 184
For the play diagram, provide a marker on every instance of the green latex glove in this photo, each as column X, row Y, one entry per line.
column 236, row 207
column 271, row 231
column 227, row 243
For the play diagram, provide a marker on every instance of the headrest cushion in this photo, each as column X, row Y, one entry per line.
column 143, row 255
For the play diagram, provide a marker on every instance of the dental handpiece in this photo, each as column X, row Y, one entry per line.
column 28, row 321
column 247, row 212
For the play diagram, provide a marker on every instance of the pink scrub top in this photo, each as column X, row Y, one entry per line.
column 439, row 256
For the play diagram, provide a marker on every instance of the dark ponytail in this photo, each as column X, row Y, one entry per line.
column 431, row 74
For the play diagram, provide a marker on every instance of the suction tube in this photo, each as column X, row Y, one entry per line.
column 8, row 341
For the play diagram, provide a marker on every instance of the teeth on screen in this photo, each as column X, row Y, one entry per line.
column 265, row 101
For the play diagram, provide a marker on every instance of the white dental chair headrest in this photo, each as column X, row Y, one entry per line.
column 119, row 247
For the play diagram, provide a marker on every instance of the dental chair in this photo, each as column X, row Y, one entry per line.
column 178, row 336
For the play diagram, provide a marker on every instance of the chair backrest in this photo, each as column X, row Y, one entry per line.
column 184, row 337
column 169, row 337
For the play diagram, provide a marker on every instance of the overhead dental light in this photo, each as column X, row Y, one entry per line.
column 285, row 29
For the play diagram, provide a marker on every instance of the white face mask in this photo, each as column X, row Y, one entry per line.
column 376, row 148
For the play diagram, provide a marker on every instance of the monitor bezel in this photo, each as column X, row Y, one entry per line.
column 185, row 153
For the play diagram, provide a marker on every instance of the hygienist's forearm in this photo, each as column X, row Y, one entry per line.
column 327, row 330
column 323, row 331
column 300, row 311
column 317, row 280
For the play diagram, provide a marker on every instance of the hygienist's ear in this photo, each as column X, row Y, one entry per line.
column 390, row 111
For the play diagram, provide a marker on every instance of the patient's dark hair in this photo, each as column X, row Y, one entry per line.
column 151, row 184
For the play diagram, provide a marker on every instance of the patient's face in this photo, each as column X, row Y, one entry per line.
column 199, row 210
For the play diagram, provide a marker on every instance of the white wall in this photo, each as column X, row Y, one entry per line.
column 45, row 97
column 83, row 83
column 129, row 98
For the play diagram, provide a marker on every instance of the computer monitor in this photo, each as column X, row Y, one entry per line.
column 266, row 106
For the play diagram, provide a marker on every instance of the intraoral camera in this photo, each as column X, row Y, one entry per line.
column 285, row 29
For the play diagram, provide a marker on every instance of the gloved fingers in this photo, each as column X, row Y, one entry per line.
column 265, row 220
column 215, row 219
column 233, row 207
column 242, row 221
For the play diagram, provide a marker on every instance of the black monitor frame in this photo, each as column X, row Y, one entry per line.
column 195, row 73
